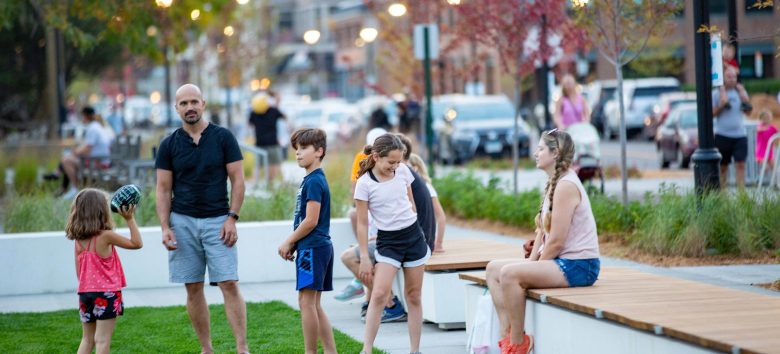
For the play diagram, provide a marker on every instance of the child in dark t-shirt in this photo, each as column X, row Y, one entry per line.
column 311, row 240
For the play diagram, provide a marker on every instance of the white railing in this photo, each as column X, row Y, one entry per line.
column 260, row 154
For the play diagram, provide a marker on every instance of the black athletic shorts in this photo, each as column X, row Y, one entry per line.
column 731, row 147
column 402, row 248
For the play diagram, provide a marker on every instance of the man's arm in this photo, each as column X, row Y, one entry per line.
column 235, row 172
column 163, row 199
column 236, row 175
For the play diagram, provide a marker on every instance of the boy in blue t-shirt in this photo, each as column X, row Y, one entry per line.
column 311, row 240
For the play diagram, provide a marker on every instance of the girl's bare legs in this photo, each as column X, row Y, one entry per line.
column 383, row 281
column 494, row 285
column 103, row 333
column 87, row 338
column 413, row 278
column 515, row 279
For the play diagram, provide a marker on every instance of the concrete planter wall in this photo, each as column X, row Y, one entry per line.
column 43, row 262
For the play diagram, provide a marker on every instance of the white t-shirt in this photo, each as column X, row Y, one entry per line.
column 388, row 202
column 432, row 190
column 97, row 139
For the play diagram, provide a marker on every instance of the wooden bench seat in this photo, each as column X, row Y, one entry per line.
column 708, row 316
column 443, row 293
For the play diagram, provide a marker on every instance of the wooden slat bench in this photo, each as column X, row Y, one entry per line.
column 706, row 317
column 443, row 293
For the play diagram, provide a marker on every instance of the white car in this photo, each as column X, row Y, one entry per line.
column 639, row 96
column 336, row 118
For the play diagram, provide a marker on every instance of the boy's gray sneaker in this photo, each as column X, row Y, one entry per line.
column 353, row 290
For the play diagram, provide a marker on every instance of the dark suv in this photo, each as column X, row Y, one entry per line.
column 467, row 126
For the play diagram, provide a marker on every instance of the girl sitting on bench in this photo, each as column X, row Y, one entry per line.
column 565, row 251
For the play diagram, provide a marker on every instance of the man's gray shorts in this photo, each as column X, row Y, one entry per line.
column 276, row 154
column 371, row 251
column 198, row 246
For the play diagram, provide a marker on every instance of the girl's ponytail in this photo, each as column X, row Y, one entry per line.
column 382, row 146
column 368, row 162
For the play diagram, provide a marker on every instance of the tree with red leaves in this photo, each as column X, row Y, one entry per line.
column 506, row 26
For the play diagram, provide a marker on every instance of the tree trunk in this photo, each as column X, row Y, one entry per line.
column 622, row 116
column 515, row 132
column 51, row 101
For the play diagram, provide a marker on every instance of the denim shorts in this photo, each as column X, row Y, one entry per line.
column 579, row 272
column 199, row 246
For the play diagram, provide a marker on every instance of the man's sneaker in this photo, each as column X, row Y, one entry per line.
column 363, row 310
column 353, row 290
column 394, row 313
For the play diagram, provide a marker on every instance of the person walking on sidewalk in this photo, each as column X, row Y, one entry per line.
column 571, row 108
column 565, row 252
column 199, row 223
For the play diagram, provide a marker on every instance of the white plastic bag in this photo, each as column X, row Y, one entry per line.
column 484, row 334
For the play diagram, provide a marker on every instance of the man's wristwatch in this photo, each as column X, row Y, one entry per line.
column 233, row 215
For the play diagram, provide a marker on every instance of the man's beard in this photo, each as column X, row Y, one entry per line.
column 191, row 120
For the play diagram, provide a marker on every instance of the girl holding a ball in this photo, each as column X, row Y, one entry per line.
column 98, row 268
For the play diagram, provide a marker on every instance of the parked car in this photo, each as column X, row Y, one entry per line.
column 600, row 92
column 336, row 118
column 638, row 94
column 467, row 126
column 678, row 138
column 666, row 103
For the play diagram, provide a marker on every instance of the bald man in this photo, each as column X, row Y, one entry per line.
column 729, row 105
column 199, row 224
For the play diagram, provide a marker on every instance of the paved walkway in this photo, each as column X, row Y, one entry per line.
column 393, row 336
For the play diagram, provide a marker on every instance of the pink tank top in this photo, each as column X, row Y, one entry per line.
column 97, row 273
column 572, row 112
column 582, row 240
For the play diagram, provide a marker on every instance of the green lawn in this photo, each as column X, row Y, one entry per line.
column 273, row 328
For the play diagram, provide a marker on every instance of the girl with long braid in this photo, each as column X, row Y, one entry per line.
column 566, row 248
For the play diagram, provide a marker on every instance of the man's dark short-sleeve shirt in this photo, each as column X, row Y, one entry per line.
column 199, row 170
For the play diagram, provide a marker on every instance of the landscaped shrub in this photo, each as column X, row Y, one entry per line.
column 25, row 175
column 36, row 212
column 3, row 166
column 669, row 222
column 719, row 223
column 467, row 197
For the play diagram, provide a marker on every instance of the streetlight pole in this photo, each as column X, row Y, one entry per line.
column 369, row 35
column 167, row 66
column 165, row 4
column 706, row 158
column 545, row 73
column 311, row 37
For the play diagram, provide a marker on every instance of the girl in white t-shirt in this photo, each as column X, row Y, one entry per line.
column 384, row 189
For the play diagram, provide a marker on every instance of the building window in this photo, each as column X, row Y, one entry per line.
column 285, row 20
column 754, row 7
column 719, row 7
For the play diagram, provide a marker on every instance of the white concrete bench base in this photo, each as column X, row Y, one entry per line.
column 557, row 330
